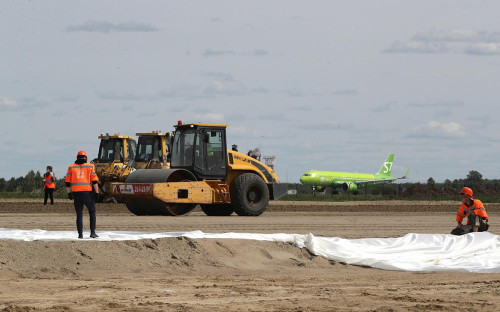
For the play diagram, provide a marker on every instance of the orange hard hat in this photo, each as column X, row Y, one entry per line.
column 81, row 153
column 466, row 191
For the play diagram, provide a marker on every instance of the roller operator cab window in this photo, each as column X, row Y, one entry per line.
column 207, row 159
column 145, row 149
column 214, row 148
column 182, row 150
column 210, row 161
column 199, row 155
column 118, row 151
column 106, row 151
column 131, row 147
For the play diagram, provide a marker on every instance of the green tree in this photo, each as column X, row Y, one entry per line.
column 11, row 185
column 474, row 178
column 431, row 183
column 30, row 182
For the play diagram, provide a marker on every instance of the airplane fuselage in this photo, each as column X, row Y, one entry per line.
column 336, row 179
column 349, row 181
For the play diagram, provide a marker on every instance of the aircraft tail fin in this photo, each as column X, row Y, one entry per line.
column 386, row 166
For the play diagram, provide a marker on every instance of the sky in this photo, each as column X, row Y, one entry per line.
column 325, row 85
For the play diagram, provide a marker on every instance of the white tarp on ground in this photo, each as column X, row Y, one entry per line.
column 474, row 252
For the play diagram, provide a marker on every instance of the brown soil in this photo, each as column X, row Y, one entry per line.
column 181, row 274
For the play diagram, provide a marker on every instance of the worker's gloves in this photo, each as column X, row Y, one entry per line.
column 96, row 197
column 70, row 195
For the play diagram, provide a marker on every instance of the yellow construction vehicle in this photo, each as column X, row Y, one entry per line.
column 152, row 151
column 113, row 162
column 202, row 171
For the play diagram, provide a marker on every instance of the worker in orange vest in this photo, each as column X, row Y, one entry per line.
column 474, row 211
column 49, row 185
column 80, row 180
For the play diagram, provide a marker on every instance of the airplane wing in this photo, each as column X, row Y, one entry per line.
column 381, row 180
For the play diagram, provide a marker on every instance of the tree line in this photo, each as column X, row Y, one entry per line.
column 474, row 180
column 31, row 182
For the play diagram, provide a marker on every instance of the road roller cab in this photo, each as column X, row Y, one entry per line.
column 113, row 163
column 201, row 149
column 202, row 171
column 153, row 149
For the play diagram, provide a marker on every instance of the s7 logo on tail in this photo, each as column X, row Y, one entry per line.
column 388, row 167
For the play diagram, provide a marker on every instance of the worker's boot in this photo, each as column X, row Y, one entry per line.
column 93, row 234
column 80, row 235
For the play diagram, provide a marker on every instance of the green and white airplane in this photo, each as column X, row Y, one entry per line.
column 349, row 181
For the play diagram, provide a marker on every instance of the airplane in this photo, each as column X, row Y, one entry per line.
column 349, row 181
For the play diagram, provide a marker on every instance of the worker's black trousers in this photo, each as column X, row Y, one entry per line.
column 49, row 192
column 87, row 199
column 478, row 222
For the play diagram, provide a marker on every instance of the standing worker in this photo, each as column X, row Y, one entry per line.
column 474, row 211
column 80, row 179
column 49, row 185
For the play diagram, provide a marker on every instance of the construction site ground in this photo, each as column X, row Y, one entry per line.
column 181, row 274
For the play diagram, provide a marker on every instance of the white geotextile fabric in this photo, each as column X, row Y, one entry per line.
column 473, row 252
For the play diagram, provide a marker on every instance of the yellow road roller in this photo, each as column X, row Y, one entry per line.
column 112, row 164
column 202, row 172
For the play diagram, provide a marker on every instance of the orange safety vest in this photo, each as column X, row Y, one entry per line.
column 478, row 208
column 49, row 180
column 80, row 177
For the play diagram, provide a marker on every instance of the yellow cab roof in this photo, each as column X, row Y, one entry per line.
column 151, row 134
column 114, row 136
column 201, row 125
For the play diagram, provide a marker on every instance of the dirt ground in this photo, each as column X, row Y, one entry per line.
column 181, row 274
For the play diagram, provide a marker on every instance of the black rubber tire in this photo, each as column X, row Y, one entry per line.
column 249, row 195
column 217, row 209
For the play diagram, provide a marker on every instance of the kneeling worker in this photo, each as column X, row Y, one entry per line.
column 474, row 211
column 80, row 179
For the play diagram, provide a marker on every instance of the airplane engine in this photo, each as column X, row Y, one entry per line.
column 348, row 186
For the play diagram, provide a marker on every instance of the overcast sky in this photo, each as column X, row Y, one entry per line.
column 326, row 85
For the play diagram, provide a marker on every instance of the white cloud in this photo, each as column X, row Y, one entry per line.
column 7, row 104
column 460, row 41
column 210, row 52
column 452, row 35
column 219, row 87
column 440, row 129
